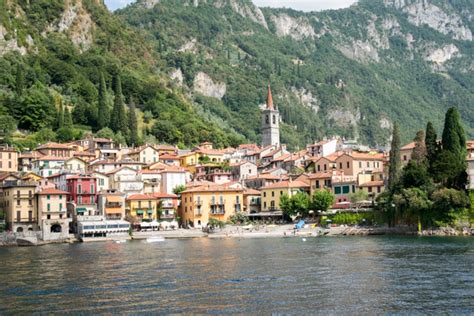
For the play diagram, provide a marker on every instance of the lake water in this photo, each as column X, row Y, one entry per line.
column 351, row 275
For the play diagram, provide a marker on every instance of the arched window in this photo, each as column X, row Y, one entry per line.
column 267, row 120
column 274, row 119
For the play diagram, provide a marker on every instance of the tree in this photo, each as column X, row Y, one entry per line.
column 322, row 200
column 67, row 118
column 419, row 151
column 358, row 197
column 60, row 116
column 38, row 109
column 395, row 163
column 105, row 133
column 415, row 175
column 298, row 204
column 412, row 204
column 20, row 80
column 431, row 143
column 179, row 189
column 65, row 134
column 133, row 125
column 7, row 127
column 118, row 121
column 104, row 113
column 454, row 142
column 454, row 137
column 44, row 135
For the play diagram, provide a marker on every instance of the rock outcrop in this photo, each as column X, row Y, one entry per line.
column 204, row 85
column 296, row 28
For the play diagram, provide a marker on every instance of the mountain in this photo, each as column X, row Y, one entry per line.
column 199, row 68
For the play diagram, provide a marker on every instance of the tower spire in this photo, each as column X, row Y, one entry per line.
column 269, row 98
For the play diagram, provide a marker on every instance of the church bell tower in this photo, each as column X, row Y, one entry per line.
column 270, row 123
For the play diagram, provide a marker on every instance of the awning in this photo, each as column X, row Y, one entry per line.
column 114, row 199
column 150, row 211
column 81, row 209
column 140, row 212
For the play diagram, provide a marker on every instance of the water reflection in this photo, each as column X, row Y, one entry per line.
column 328, row 275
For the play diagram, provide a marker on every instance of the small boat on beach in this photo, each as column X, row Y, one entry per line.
column 120, row 241
column 155, row 239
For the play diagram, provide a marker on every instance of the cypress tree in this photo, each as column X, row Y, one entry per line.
column 419, row 152
column 20, row 79
column 395, row 163
column 132, row 124
column 67, row 118
column 454, row 137
column 118, row 121
column 60, row 116
column 454, row 142
column 104, row 113
column 431, row 142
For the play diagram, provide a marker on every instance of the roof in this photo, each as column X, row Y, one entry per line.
column 141, row 197
column 52, row 158
column 137, row 150
column 408, row 146
column 269, row 98
column 366, row 156
column 270, row 154
column 3, row 176
column 78, row 177
column 251, row 192
column 8, row 149
column 286, row 184
column 169, row 157
column 320, row 175
column 160, row 195
column 52, row 192
column 53, row 146
column 213, row 188
column 265, row 177
column 165, row 147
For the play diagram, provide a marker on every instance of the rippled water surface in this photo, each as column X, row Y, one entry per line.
column 369, row 275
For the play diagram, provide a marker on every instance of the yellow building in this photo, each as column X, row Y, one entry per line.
column 200, row 203
column 272, row 193
column 189, row 159
column 142, row 207
column 18, row 203
column 52, row 214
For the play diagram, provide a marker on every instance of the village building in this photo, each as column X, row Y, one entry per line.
column 146, row 154
column 151, row 181
column 272, row 193
column 82, row 195
column 8, row 159
column 406, row 152
column 25, row 160
column 54, row 150
column 46, row 166
column 52, row 214
column 167, row 206
column 126, row 180
column 106, row 166
column 170, row 159
column 17, row 199
column 243, row 170
column 141, row 207
column 323, row 148
column 75, row 164
column 111, row 204
column 252, row 200
column 201, row 203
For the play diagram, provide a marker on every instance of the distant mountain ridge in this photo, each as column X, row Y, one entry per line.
column 350, row 72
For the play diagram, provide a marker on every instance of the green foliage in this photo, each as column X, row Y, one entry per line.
column 239, row 218
column 395, row 163
column 358, row 197
column 297, row 204
column 104, row 117
column 105, row 133
column 7, row 127
column 366, row 218
column 215, row 223
column 415, row 175
column 431, row 142
column 133, row 125
column 179, row 188
column 118, row 121
column 322, row 200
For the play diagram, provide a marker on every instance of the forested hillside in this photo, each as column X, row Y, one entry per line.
column 198, row 70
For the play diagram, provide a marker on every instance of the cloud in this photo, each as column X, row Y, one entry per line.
column 305, row 5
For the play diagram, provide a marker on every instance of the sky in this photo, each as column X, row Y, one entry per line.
column 305, row 5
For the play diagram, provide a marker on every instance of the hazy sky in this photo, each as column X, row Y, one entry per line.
column 306, row 5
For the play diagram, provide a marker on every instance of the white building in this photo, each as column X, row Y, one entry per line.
column 126, row 180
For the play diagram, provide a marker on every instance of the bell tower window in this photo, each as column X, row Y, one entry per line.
column 274, row 119
column 267, row 120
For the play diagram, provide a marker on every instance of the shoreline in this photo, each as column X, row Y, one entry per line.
column 270, row 231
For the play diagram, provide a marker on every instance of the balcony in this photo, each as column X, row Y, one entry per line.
column 218, row 212
column 215, row 203
column 167, row 204
column 167, row 216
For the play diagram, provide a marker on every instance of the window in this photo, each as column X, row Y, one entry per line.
column 379, row 189
column 30, row 216
column 79, row 200
column 92, row 188
column 30, row 202
column 274, row 119
column 348, row 164
column 18, row 194
column 149, row 204
column 18, row 216
column 264, row 194
column 368, row 164
column 360, row 164
column 345, row 189
column 370, row 189
column 60, row 197
column 49, row 207
column 325, row 167
column 317, row 184
column 139, row 204
column 18, row 202
column 79, row 188
column 61, row 216
column 337, row 190
column 264, row 205
column 48, row 197
column 60, row 207
column 281, row 192
column 340, row 165
column 405, row 157
column 9, row 164
column 273, row 193
column 267, row 120
column 101, row 181
column 48, row 216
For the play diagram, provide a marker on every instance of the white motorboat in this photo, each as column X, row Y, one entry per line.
column 155, row 239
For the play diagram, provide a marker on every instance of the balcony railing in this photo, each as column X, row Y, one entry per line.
column 218, row 212
column 222, row 202
column 166, row 216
